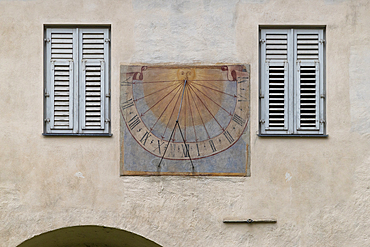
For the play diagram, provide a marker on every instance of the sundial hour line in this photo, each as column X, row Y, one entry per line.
column 171, row 114
column 200, row 115
column 192, row 118
column 212, row 100
column 160, row 100
column 177, row 122
column 182, row 97
column 143, row 82
column 154, row 92
column 185, row 115
column 165, row 108
column 206, row 108
column 215, row 80
column 214, row 89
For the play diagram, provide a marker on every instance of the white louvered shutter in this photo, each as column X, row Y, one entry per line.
column 308, row 56
column 94, row 91
column 276, row 103
column 60, row 88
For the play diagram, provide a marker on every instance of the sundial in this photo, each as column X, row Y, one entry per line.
column 184, row 120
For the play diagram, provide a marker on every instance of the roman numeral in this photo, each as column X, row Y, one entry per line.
column 144, row 138
column 228, row 136
column 242, row 98
column 198, row 150
column 237, row 119
column 159, row 146
column 212, row 146
column 185, row 150
column 134, row 121
column 127, row 104
column 243, row 79
column 172, row 150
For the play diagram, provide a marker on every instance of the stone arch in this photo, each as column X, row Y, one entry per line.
column 88, row 236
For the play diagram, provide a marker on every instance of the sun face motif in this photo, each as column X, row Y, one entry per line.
column 210, row 103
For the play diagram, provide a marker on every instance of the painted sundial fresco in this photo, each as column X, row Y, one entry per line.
column 184, row 120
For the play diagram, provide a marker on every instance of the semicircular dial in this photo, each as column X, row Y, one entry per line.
column 210, row 103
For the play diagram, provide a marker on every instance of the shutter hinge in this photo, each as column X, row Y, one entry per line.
column 107, row 120
column 322, row 41
column 107, row 40
column 46, row 94
column 47, row 40
column 322, row 96
column 261, row 94
column 262, row 41
column 47, row 120
column 262, row 121
column 107, row 95
column 322, row 121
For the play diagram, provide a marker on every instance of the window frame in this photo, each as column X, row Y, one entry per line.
column 292, row 107
column 77, row 82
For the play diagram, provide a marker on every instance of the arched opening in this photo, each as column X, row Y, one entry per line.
column 88, row 236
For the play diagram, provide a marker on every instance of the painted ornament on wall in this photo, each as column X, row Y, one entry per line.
column 184, row 120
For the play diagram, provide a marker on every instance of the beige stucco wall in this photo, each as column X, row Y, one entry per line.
column 317, row 188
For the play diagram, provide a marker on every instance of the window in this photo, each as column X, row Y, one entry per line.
column 292, row 92
column 77, row 95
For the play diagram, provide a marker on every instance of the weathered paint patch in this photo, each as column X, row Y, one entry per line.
column 288, row 177
column 79, row 175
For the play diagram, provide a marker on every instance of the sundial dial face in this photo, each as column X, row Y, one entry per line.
column 184, row 120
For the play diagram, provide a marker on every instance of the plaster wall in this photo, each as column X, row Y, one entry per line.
column 318, row 189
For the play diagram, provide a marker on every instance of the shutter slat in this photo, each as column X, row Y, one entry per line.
column 276, row 57
column 93, row 41
column 301, row 51
column 61, row 35
column 276, row 36
column 92, row 103
column 279, row 52
column 93, row 46
column 94, row 56
column 66, row 40
column 92, row 73
column 93, row 36
column 62, row 46
column 61, row 51
column 95, row 51
column 307, row 46
column 276, row 46
column 304, row 57
column 308, row 36
column 61, row 56
column 62, row 72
